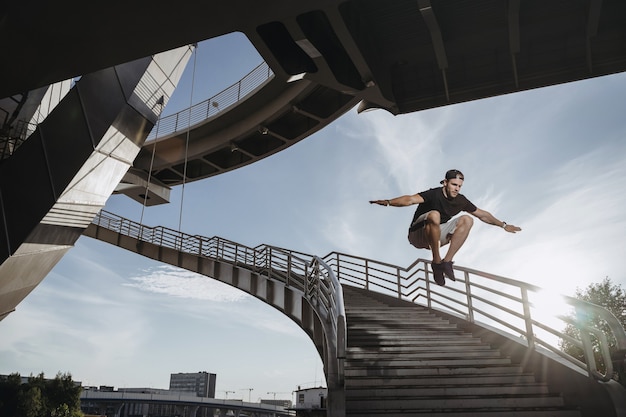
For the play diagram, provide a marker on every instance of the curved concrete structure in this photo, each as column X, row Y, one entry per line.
column 54, row 184
column 401, row 56
column 272, row 118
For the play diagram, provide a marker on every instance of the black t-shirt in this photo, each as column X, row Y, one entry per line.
column 434, row 199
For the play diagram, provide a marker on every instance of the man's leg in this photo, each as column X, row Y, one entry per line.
column 432, row 230
column 433, row 234
column 463, row 227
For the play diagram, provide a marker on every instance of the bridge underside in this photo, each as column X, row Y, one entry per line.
column 404, row 56
column 401, row 56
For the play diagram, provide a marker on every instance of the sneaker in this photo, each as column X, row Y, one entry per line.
column 448, row 270
column 438, row 270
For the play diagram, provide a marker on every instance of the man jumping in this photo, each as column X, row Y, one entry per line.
column 431, row 226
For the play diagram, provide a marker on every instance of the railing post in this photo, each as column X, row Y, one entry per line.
column 268, row 262
column 530, row 336
column 254, row 260
column 427, row 283
column 399, row 277
column 468, row 294
column 367, row 274
column 289, row 260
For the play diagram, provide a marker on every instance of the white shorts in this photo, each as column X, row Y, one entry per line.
column 418, row 237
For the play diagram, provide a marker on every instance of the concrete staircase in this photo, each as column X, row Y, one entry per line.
column 405, row 360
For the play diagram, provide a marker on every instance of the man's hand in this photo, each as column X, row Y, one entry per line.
column 380, row 202
column 512, row 229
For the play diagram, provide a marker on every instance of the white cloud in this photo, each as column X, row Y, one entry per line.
column 172, row 281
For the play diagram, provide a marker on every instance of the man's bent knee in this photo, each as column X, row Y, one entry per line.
column 433, row 217
column 466, row 221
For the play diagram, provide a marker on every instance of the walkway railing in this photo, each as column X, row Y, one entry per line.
column 522, row 310
column 305, row 273
column 212, row 106
column 534, row 315
column 166, row 125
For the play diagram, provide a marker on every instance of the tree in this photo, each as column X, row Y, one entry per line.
column 613, row 298
column 39, row 397
column 9, row 392
column 62, row 391
column 30, row 402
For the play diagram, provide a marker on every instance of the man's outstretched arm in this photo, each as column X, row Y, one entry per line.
column 402, row 201
column 489, row 218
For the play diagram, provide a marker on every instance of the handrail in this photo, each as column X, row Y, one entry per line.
column 212, row 106
column 330, row 294
column 166, row 125
column 513, row 306
column 509, row 305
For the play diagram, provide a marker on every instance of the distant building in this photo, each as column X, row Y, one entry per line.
column 200, row 383
column 279, row 403
column 311, row 402
column 144, row 390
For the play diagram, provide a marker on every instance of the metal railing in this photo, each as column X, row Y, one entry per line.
column 525, row 311
column 149, row 90
column 520, row 309
column 305, row 273
column 13, row 138
column 212, row 106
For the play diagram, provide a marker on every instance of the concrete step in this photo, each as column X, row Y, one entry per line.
column 427, row 371
column 391, row 313
column 385, row 307
column 437, row 404
column 423, row 354
column 409, row 335
column 366, row 381
column 464, row 413
column 447, row 391
column 390, row 326
column 432, row 340
column 397, row 316
column 452, row 364
column 468, row 345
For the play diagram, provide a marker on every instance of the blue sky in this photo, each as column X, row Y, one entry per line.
column 549, row 160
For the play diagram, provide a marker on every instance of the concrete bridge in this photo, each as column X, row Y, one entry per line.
column 392, row 342
column 187, row 405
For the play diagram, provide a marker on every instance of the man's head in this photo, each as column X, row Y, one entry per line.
column 452, row 183
column 451, row 174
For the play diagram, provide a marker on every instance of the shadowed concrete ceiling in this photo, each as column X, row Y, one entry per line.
column 418, row 53
column 401, row 56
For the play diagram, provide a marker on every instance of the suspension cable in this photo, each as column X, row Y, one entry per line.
column 182, row 193
column 159, row 102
